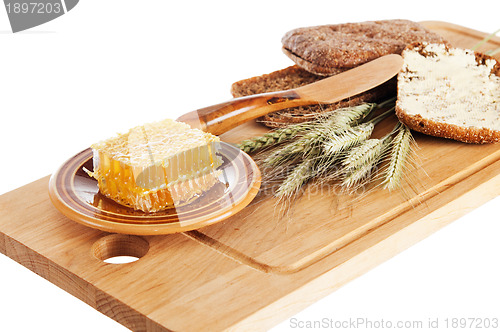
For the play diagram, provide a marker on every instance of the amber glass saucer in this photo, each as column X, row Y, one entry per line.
column 77, row 196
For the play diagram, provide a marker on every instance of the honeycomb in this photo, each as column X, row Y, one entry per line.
column 156, row 166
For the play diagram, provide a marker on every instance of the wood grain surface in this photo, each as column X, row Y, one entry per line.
column 259, row 267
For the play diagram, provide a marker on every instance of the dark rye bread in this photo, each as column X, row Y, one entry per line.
column 459, row 100
column 323, row 49
column 294, row 77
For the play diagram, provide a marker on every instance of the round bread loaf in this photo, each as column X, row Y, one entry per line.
column 324, row 49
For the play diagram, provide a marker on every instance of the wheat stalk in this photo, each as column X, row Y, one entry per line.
column 309, row 146
column 334, row 123
column 348, row 116
column 291, row 151
column 356, row 178
column 339, row 118
column 493, row 52
column 485, row 40
column 296, row 179
column 399, row 155
column 276, row 136
column 337, row 143
column 360, row 162
column 337, row 138
column 365, row 153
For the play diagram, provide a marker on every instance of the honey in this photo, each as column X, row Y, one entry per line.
column 156, row 166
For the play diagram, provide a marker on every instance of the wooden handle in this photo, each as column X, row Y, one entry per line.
column 218, row 119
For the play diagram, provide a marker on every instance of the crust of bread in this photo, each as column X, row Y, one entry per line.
column 284, row 79
column 445, row 130
column 294, row 77
column 439, row 129
column 312, row 67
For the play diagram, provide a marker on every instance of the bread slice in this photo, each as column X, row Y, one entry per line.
column 324, row 49
column 294, row 77
column 450, row 92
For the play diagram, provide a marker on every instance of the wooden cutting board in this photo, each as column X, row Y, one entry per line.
column 258, row 267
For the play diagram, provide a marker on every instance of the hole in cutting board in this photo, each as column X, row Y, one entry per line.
column 121, row 259
column 120, row 248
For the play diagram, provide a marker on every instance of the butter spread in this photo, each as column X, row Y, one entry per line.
column 449, row 86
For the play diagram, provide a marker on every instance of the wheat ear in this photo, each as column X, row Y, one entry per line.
column 346, row 117
column 339, row 119
column 292, row 150
column 399, row 155
column 361, row 161
column 274, row 137
column 296, row 179
column 339, row 142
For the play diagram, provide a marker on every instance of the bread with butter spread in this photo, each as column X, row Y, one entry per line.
column 450, row 92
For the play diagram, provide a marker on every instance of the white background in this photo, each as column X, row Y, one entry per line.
column 109, row 65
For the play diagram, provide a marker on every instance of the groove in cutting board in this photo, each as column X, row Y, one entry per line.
column 295, row 242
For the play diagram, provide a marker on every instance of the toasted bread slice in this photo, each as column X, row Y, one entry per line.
column 450, row 92
column 324, row 49
column 294, row 77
